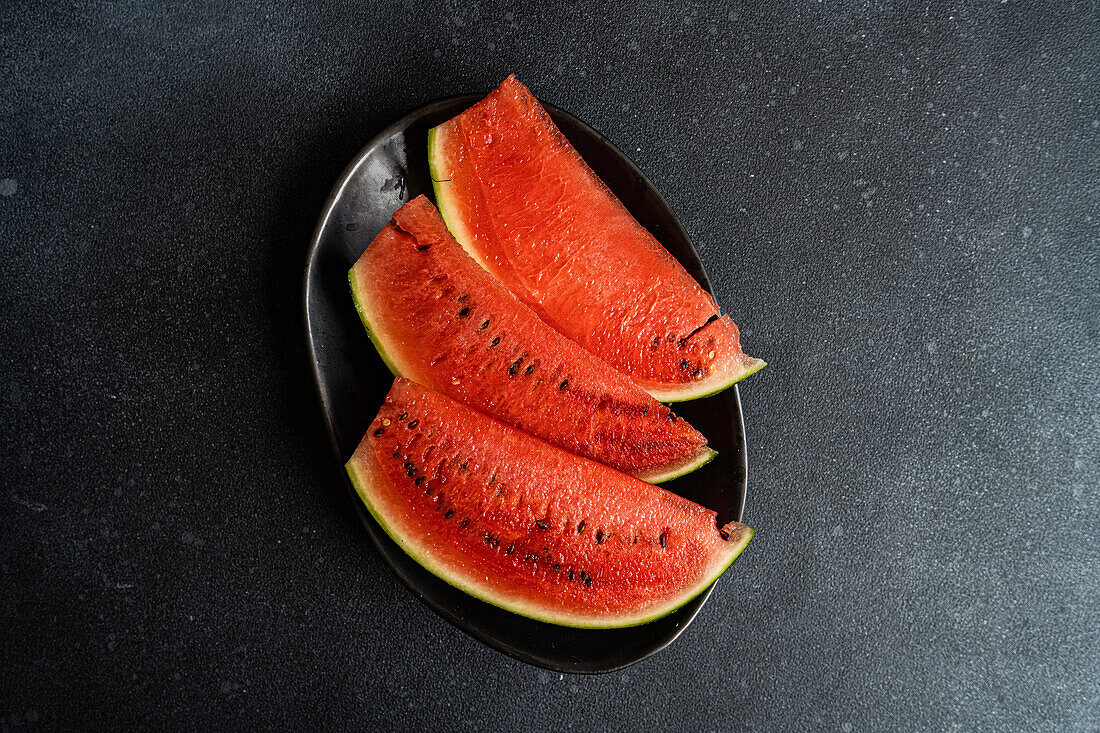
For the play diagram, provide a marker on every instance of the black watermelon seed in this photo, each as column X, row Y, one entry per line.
column 580, row 527
column 531, row 558
column 464, row 312
column 556, row 567
column 423, row 247
column 465, row 523
column 494, row 342
column 530, row 368
column 465, row 465
column 564, row 384
column 542, row 524
column 379, row 431
column 408, row 464
column 414, row 423
column 484, row 325
column 448, row 514
column 402, row 416
column 663, row 539
column 685, row 364
column 656, row 340
column 411, row 472
column 599, row 536
column 397, row 453
column 570, row 573
column 515, row 367
column 419, row 480
column 510, row 550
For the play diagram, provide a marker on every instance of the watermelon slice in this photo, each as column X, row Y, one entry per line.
column 528, row 527
column 522, row 201
column 441, row 320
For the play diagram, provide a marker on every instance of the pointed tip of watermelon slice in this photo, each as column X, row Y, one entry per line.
column 720, row 382
column 738, row 536
column 661, row 474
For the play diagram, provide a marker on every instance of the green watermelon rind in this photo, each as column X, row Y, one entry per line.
column 444, row 200
column 439, row 186
column 360, row 308
column 362, row 486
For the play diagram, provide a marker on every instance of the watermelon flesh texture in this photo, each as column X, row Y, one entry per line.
column 528, row 527
column 441, row 320
column 523, row 202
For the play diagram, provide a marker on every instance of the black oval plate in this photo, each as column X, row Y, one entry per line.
column 352, row 379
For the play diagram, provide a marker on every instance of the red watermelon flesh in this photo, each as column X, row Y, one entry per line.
column 441, row 320
column 528, row 527
column 524, row 203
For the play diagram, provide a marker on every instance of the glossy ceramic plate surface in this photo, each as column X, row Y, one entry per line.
column 352, row 380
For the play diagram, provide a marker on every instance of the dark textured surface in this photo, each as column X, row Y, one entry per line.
column 899, row 205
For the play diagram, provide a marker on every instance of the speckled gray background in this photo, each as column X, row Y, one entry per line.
column 899, row 204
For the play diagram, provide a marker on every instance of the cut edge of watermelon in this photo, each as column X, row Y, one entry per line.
column 366, row 474
column 700, row 458
column 719, row 382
